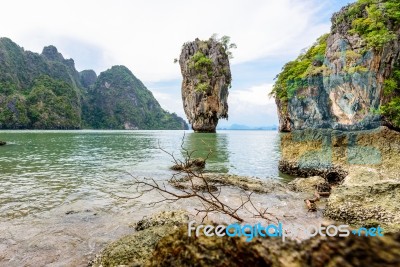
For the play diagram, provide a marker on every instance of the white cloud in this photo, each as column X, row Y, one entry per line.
column 252, row 106
column 147, row 35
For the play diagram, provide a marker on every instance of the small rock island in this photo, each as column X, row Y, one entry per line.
column 206, row 79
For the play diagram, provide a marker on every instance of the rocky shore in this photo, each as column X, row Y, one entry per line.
column 162, row 240
column 363, row 165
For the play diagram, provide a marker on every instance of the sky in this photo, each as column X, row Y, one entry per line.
column 146, row 36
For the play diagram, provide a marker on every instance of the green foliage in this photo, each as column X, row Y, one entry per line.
column 294, row 74
column 355, row 69
column 44, row 91
column 390, row 86
column 13, row 113
column 201, row 62
column 53, row 104
column 376, row 26
column 226, row 44
column 392, row 111
column 119, row 100
column 203, row 66
column 202, row 87
column 391, row 89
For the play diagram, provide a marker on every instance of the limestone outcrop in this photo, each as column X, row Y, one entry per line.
column 345, row 80
column 206, row 80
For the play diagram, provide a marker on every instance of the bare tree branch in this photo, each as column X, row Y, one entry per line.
column 189, row 183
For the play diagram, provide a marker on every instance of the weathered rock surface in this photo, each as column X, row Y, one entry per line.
column 212, row 181
column 308, row 185
column 194, row 164
column 366, row 198
column 162, row 218
column 177, row 249
column 137, row 248
column 348, row 87
column 364, row 163
column 206, row 78
column 330, row 153
column 88, row 78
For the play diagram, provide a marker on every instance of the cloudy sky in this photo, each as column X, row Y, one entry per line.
column 146, row 36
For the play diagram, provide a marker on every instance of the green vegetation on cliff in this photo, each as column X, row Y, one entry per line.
column 53, row 104
column 363, row 44
column 295, row 73
column 45, row 91
column 392, row 89
column 203, row 66
column 374, row 20
column 118, row 100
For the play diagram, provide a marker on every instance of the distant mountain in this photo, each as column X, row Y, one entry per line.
column 245, row 127
column 45, row 91
column 119, row 100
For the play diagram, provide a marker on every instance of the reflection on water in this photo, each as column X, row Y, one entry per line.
column 40, row 170
column 214, row 147
column 59, row 193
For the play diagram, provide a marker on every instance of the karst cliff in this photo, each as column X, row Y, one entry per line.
column 206, row 79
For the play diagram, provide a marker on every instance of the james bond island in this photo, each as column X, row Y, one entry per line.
column 100, row 168
column 206, row 80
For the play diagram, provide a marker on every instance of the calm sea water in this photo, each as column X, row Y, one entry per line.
column 60, row 191
column 43, row 169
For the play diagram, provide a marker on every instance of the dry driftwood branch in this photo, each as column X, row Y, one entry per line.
column 197, row 187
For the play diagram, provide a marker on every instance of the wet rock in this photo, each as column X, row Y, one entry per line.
column 194, row 164
column 212, row 181
column 2, row 143
column 309, row 184
column 206, row 78
column 193, row 184
column 367, row 178
column 178, row 249
column 247, row 183
column 333, row 174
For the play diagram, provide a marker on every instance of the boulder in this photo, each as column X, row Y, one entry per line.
column 137, row 248
column 178, row 249
column 366, row 198
column 308, row 185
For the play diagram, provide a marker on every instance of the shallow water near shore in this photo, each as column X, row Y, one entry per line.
column 62, row 194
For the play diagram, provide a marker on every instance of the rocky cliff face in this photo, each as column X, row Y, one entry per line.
column 340, row 82
column 45, row 91
column 206, row 79
column 334, row 100
column 118, row 100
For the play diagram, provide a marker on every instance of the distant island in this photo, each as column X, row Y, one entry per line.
column 45, row 91
column 245, row 127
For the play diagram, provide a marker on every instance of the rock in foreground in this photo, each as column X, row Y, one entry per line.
column 137, row 248
column 206, row 79
column 366, row 199
column 177, row 249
